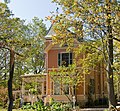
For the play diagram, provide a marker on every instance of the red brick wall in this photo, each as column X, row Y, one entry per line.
column 53, row 58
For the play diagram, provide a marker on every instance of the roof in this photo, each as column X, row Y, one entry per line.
column 50, row 32
column 33, row 75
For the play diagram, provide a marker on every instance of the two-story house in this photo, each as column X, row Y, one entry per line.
column 94, row 83
column 54, row 57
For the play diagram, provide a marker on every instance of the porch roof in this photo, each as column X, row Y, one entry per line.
column 33, row 75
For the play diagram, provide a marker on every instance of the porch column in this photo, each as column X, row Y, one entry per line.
column 85, row 80
column 22, row 93
column 101, row 78
column 48, row 89
column 118, row 88
column 95, row 88
column 36, row 83
column 23, row 89
column 43, row 87
column 84, row 88
column 36, row 88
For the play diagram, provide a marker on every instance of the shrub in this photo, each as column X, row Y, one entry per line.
column 54, row 106
column 101, row 101
column 97, row 103
column 39, row 106
column 27, row 106
column 3, row 96
column 16, row 103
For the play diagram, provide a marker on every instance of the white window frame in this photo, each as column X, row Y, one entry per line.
column 61, row 57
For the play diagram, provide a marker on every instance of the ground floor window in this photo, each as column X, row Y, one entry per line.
column 60, row 89
column 92, row 86
column 57, row 88
column 66, row 89
column 39, row 88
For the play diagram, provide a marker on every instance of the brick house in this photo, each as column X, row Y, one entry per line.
column 94, row 83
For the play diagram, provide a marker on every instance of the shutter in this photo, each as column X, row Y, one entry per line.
column 70, row 58
column 59, row 59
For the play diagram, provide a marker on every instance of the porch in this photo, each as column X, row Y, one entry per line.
column 40, row 86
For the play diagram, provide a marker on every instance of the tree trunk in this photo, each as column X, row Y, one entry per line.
column 10, row 96
column 111, row 95
column 5, row 66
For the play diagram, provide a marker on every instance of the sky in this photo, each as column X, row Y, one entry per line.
column 27, row 9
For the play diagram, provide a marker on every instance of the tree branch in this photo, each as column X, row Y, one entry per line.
column 2, row 45
column 116, row 39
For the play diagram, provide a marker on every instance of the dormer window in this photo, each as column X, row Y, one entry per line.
column 64, row 59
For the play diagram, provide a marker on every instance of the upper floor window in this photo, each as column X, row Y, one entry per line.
column 64, row 59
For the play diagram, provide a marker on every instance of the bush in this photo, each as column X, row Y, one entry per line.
column 97, row 103
column 54, row 106
column 16, row 103
column 27, row 106
column 57, row 106
column 3, row 96
column 90, row 101
column 101, row 101
column 39, row 106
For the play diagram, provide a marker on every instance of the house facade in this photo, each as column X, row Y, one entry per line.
column 93, row 84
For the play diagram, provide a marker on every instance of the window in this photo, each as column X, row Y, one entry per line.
column 39, row 88
column 61, row 89
column 92, row 86
column 64, row 59
column 56, row 88
column 66, row 89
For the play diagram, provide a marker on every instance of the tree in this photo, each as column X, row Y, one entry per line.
column 96, row 23
column 7, row 1
column 34, row 60
column 18, row 40
column 68, row 77
column 10, row 39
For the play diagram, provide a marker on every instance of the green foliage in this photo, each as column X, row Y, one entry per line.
column 95, row 24
column 27, row 41
column 100, row 102
column 35, row 32
column 27, row 106
column 67, row 75
column 11, row 36
column 33, row 91
column 7, row 1
column 3, row 96
column 54, row 106
column 60, row 107
column 16, row 103
column 88, row 22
